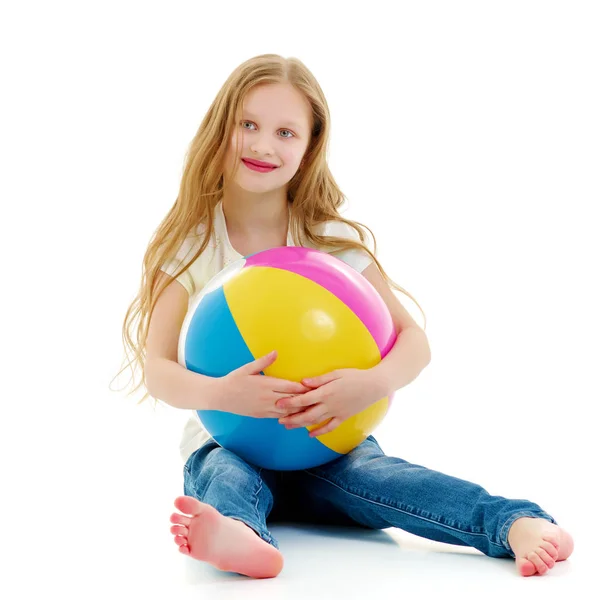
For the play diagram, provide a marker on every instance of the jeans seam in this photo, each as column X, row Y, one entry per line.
column 262, row 532
column 257, row 493
column 501, row 545
column 247, row 518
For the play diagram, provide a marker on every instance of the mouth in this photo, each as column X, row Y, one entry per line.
column 258, row 166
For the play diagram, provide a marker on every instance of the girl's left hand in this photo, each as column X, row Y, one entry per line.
column 335, row 397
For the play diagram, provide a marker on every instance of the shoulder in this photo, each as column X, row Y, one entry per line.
column 192, row 242
column 184, row 254
column 357, row 259
column 338, row 229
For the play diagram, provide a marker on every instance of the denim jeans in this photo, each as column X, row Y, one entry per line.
column 364, row 488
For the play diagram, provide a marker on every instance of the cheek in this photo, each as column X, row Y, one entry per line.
column 291, row 157
column 231, row 151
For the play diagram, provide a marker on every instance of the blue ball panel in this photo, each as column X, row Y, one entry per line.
column 213, row 344
column 265, row 442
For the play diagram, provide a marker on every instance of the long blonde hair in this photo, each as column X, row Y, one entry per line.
column 313, row 194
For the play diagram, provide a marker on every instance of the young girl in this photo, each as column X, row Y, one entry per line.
column 256, row 177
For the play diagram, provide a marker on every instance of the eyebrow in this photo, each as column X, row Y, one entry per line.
column 285, row 123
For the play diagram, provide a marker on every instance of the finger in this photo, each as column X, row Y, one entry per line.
column 299, row 401
column 284, row 418
column 311, row 416
column 274, row 415
column 332, row 424
column 287, row 417
column 321, row 379
column 281, row 411
column 256, row 366
column 283, row 386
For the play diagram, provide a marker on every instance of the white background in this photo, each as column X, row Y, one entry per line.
column 465, row 134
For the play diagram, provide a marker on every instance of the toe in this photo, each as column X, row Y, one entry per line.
column 181, row 540
column 540, row 565
column 180, row 519
column 566, row 544
column 550, row 549
column 553, row 537
column 188, row 505
column 548, row 560
column 179, row 530
column 526, row 568
column 184, row 549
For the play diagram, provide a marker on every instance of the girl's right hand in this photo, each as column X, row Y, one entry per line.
column 246, row 392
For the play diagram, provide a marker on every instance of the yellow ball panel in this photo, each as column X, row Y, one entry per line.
column 355, row 429
column 311, row 329
column 313, row 332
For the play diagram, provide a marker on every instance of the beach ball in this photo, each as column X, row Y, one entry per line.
column 319, row 314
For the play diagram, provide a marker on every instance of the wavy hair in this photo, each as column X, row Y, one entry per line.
column 313, row 195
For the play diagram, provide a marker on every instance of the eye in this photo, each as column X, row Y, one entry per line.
column 285, row 136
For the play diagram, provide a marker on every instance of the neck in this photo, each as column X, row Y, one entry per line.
column 248, row 212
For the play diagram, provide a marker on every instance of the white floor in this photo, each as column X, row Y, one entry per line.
column 98, row 526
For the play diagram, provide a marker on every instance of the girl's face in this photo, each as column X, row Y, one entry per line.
column 274, row 128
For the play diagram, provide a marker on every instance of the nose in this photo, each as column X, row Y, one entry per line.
column 260, row 146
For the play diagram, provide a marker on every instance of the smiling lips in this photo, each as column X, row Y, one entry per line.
column 258, row 165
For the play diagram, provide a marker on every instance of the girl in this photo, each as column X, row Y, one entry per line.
column 256, row 177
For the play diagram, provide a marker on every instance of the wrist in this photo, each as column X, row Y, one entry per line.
column 205, row 392
column 379, row 380
column 213, row 393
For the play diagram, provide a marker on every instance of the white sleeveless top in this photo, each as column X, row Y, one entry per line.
column 217, row 255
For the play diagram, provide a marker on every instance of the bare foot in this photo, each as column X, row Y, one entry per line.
column 204, row 533
column 538, row 545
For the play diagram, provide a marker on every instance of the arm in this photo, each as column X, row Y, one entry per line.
column 410, row 353
column 165, row 378
column 244, row 391
column 168, row 381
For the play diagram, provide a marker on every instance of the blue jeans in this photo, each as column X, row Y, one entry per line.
column 364, row 488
